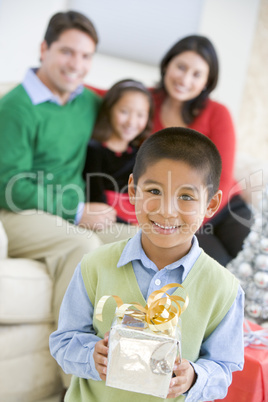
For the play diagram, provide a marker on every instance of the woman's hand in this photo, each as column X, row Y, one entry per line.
column 100, row 356
column 184, row 379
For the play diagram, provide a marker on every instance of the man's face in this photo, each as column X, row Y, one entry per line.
column 66, row 62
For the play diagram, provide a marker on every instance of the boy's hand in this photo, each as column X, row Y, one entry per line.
column 184, row 380
column 100, row 356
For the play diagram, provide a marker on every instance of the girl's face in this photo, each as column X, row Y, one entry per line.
column 129, row 115
column 186, row 76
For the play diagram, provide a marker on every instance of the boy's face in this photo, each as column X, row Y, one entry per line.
column 171, row 203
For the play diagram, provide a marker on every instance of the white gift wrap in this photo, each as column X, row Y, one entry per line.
column 141, row 360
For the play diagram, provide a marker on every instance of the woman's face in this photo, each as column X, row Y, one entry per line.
column 186, row 76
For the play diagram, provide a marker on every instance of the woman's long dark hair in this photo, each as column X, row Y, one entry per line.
column 202, row 46
column 103, row 127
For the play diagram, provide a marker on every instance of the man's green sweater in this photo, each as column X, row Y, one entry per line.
column 43, row 150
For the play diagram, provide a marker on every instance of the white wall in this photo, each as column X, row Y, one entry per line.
column 229, row 23
column 140, row 30
column 106, row 70
column 22, row 27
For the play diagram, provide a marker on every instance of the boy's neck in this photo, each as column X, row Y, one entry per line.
column 162, row 257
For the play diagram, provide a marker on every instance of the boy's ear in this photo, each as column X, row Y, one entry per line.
column 131, row 189
column 214, row 204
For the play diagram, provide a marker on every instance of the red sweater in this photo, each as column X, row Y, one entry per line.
column 214, row 122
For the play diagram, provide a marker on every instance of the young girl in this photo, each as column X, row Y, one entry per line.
column 124, row 121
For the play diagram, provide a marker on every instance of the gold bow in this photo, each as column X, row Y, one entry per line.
column 159, row 313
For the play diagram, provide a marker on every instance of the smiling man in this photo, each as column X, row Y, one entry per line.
column 65, row 62
column 45, row 125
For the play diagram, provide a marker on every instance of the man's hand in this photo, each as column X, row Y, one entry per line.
column 184, row 380
column 100, row 356
column 97, row 216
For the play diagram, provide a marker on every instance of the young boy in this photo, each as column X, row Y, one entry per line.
column 174, row 186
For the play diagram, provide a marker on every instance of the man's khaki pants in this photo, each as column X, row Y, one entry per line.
column 60, row 245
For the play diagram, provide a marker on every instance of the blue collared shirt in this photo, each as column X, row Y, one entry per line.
column 73, row 343
column 39, row 93
column 149, row 277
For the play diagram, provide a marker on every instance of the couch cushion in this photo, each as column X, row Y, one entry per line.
column 27, row 370
column 25, row 292
column 30, row 377
column 23, row 339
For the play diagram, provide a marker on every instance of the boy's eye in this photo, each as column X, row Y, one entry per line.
column 186, row 197
column 154, row 191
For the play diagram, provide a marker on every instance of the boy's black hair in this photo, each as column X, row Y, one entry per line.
column 181, row 144
column 63, row 21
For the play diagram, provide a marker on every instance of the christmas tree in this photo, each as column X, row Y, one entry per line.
column 251, row 267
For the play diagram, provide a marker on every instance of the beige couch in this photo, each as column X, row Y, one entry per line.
column 27, row 370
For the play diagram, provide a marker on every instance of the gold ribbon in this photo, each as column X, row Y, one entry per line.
column 160, row 313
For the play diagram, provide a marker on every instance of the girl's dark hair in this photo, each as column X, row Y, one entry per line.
column 202, row 46
column 103, row 128
column 61, row 22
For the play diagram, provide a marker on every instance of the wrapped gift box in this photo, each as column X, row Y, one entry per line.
column 144, row 342
column 141, row 360
column 251, row 384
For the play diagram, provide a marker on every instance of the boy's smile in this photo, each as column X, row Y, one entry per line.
column 171, row 203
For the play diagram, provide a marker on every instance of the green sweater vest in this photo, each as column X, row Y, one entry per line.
column 43, row 150
column 211, row 289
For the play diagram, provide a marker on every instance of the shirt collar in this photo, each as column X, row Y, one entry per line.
column 134, row 251
column 39, row 92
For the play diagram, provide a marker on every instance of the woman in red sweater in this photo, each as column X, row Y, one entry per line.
column 189, row 72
